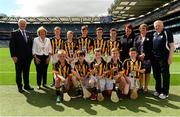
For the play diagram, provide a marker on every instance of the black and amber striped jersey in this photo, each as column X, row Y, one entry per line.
column 85, row 44
column 118, row 69
column 102, row 67
column 82, row 68
column 70, row 48
column 56, row 44
column 65, row 70
column 112, row 44
column 129, row 65
column 100, row 44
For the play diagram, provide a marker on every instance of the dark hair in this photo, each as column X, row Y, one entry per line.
column 113, row 29
column 84, row 27
column 133, row 49
column 128, row 26
column 97, row 50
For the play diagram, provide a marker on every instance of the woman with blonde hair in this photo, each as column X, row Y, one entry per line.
column 42, row 52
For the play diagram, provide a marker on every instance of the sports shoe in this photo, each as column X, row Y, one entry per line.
column 140, row 90
column 58, row 99
column 20, row 90
column 38, row 87
column 156, row 94
column 93, row 96
column 163, row 96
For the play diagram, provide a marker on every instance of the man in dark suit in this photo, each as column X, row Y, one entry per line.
column 21, row 52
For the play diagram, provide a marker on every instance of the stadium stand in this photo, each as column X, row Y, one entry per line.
column 120, row 13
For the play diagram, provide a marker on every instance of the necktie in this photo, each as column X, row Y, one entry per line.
column 142, row 45
column 23, row 33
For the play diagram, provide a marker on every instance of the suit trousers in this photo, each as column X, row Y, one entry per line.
column 22, row 69
column 162, row 75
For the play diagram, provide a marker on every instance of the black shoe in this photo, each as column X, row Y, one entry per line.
column 45, row 86
column 140, row 90
column 78, row 94
column 28, row 88
column 20, row 90
column 52, row 85
column 145, row 91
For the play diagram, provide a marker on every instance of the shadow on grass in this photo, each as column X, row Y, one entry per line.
column 48, row 97
column 43, row 98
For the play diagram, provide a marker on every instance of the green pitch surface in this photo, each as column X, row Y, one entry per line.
column 42, row 103
column 7, row 70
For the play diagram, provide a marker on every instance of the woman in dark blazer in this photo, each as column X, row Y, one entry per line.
column 127, row 41
column 143, row 44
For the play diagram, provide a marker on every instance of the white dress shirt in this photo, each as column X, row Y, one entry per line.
column 41, row 47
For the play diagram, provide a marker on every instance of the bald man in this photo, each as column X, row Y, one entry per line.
column 21, row 53
column 163, row 48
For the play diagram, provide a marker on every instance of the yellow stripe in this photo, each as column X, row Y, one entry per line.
column 100, row 71
column 84, row 70
column 53, row 46
column 139, row 68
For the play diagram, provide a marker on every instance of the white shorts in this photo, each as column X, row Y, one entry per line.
column 132, row 83
column 105, row 83
column 109, row 84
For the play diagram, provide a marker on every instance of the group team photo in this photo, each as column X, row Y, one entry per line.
column 89, row 58
column 95, row 68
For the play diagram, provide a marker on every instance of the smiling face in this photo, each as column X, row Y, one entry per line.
column 158, row 26
column 99, row 33
column 113, row 34
column 42, row 34
column 143, row 29
column 128, row 31
column 22, row 24
column 133, row 54
column 84, row 32
column 57, row 31
column 97, row 55
column 62, row 57
column 69, row 35
column 115, row 55
column 80, row 57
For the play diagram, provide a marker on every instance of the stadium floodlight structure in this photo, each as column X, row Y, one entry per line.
column 132, row 9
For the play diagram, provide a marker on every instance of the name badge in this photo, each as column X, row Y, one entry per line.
column 71, row 52
column 84, row 48
column 131, row 75
column 43, row 49
column 56, row 50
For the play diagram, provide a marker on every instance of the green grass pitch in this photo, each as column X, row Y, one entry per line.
column 42, row 103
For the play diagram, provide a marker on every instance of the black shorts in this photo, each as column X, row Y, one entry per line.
column 147, row 64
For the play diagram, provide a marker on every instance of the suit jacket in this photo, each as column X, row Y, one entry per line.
column 19, row 47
